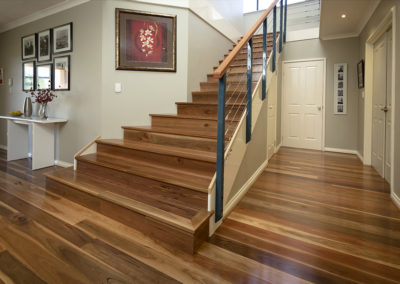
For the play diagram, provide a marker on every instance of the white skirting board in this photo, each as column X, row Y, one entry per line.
column 338, row 150
column 243, row 190
column 395, row 199
column 63, row 164
column 360, row 157
column 3, row 147
column 277, row 148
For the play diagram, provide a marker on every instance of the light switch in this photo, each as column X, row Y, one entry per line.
column 10, row 82
column 117, row 87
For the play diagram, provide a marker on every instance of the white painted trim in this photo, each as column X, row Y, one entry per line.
column 339, row 150
column 339, row 36
column 368, row 16
column 388, row 21
column 63, row 164
column 42, row 14
column 323, row 59
column 395, row 198
column 360, row 157
column 243, row 190
column 278, row 148
column 3, row 147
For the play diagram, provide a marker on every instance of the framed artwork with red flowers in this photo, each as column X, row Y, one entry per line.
column 145, row 41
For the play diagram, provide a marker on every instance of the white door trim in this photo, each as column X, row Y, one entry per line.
column 323, row 59
column 387, row 22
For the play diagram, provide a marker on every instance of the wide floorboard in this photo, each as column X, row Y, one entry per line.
column 311, row 217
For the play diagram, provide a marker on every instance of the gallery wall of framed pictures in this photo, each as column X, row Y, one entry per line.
column 45, row 62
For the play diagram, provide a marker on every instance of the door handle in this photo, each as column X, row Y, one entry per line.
column 319, row 108
column 385, row 109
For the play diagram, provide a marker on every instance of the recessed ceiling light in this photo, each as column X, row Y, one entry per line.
column 344, row 16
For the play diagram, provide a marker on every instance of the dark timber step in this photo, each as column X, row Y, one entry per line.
column 168, row 213
column 150, row 135
column 104, row 165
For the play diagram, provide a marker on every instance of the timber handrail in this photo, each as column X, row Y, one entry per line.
column 223, row 67
column 86, row 147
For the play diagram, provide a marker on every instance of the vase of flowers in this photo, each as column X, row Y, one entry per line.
column 43, row 97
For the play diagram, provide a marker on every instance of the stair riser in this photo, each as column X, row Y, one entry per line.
column 172, row 161
column 243, row 69
column 171, row 140
column 110, row 174
column 241, row 56
column 165, row 233
column 209, row 126
column 213, row 98
column 206, row 111
column 255, row 50
column 244, row 61
column 238, row 78
column 213, row 86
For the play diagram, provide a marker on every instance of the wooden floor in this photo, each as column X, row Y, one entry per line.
column 310, row 217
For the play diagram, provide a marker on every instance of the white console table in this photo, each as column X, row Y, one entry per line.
column 42, row 139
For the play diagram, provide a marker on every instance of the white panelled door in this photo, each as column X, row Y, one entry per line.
column 382, row 109
column 303, row 91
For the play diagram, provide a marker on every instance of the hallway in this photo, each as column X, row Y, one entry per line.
column 310, row 217
column 320, row 216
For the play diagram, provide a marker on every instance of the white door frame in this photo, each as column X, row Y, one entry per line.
column 387, row 22
column 323, row 59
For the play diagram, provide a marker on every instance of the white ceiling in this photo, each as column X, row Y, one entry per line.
column 357, row 13
column 14, row 13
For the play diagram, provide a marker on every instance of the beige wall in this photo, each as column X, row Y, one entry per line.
column 340, row 130
column 92, row 106
column 82, row 104
column 379, row 14
column 206, row 48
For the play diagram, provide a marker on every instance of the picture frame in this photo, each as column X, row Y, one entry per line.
column 44, row 76
column 1, row 76
column 61, row 73
column 360, row 74
column 340, row 88
column 29, row 47
column 145, row 41
column 28, row 76
column 44, row 39
column 62, row 38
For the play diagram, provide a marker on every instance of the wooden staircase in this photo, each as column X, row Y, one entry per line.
column 156, row 179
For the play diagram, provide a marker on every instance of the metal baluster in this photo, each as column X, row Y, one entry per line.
column 284, row 34
column 219, row 192
column 274, row 42
column 264, row 74
column 281, row 27
column 249, row 92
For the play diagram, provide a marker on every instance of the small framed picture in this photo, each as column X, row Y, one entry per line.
column 340, row 108
column 61, row 73
column 62, row 39
column 340, row 76
column 44, row 76
column 1, row 76
column 340, row 84
column 44, row 49
column 28, row 47
column 360, row 74
column 340, row 93
column 29, row 76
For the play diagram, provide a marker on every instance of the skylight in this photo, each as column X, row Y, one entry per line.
column 252, row 5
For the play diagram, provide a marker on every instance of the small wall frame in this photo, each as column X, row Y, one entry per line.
column 340, row 88
column 28, row 76
column 61, row 73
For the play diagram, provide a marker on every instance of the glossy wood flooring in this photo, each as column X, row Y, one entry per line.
column 310, row 217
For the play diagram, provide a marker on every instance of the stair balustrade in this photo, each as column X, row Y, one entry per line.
column 235, row 92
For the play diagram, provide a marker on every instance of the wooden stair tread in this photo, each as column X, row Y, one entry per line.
column 152, row 170
column 162, row 149
column 177, row 215
column 209, row 103
column 176, row 131
column 184, row 116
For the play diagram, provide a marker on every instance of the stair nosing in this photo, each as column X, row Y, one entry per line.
column 166, row 130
